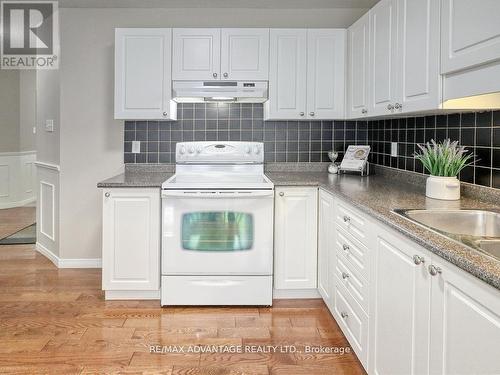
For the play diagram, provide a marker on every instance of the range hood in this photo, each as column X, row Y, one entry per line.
column 219, row 91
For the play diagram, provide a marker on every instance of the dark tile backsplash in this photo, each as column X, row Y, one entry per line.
column 308, row 141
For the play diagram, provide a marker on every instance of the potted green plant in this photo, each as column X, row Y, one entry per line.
column 444, row 161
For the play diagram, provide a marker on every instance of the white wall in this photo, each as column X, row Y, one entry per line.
column 9, row 111
column 27, row 109
column 91, row 141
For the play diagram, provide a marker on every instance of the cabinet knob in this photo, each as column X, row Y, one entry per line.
column 281, row 194
column 433, row 270
column 214, row 75
column 345, row 247
column 417, row 259
column 364, row 111
column 165, row 114
column 345, row 276
column 107, row 195
column 301, row 113
column 347, row 219
column 225, row 75
column 344, row 315
column 398, row 106
column 311, row 113
column 390, row 107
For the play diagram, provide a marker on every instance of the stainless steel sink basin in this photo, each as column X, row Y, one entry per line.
column 479, row 229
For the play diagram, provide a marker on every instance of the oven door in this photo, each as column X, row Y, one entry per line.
column 217, row 232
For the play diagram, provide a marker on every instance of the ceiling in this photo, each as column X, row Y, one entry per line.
column 247, row 4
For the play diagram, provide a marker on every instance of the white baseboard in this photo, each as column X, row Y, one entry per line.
column 295, row 293
column 17, row 203
column 131, row 294
column 68, row 263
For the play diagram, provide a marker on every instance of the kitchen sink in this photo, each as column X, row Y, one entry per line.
column 479, row 229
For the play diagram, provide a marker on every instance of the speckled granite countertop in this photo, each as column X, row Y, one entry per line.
column 136, row 179
column 378, row 195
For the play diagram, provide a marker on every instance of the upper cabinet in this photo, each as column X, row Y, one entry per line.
column 245, row 54
column 215, row 54
column 306, row 75
column 196, row 54
column 358, row 55
column 383, row 58
column 142, row 74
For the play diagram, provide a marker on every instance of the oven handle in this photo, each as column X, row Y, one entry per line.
column 217, row 194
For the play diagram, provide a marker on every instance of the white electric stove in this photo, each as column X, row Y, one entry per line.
column 217, row 226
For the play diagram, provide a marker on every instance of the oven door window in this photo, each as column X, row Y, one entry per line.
column 217, row 231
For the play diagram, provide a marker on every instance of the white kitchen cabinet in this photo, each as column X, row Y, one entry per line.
column 142, row 74
column 470, row 34
column 419, row 79
column 295, row 238
column 400, row 314
column 383, row 58
column 326, row 247
column 131, row 243
column 465, row 323
column 287, row 75
column 325, row 73
column 196, row 54
column 307, row 74
column 245, row 54
column 358, row 59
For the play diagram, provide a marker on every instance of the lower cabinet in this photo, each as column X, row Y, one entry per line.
column 295, row 238
column 326, row 246
column 131, row 243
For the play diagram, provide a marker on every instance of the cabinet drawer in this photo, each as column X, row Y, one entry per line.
column 355, row 284
column 353, row 322
column 351, row 222
column 355, row 253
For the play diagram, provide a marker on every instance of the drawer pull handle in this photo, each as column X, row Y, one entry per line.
column 345, row 276
column 347, row 219
column 345, row 247
column 344, row 315
column 433, row 270
column 417, row 259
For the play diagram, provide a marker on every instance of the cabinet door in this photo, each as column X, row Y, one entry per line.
column 287, row 75
column 400, row 310
column 465, row 318
column 383, row 58
column 418, row 55
column 196, row 54
column 142, row 74
column 325, row 73
column 131, row 239
column 470, row 34
column 326, row 249
column 358, row 41
column 245, row 54
column 295, row 246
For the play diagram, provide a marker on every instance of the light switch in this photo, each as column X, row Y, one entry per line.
column 394, row 148
column 136, row 147
column 49, row 125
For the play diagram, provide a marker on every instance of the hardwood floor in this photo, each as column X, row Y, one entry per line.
column 55, row 321
column 15, row 219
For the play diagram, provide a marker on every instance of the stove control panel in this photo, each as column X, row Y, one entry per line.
column 219, row 152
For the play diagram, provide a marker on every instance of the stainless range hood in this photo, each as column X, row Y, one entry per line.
column 219, row 91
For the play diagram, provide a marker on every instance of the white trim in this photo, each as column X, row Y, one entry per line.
column 51, row 236
column 295, row 293
column 17, row 204
column 53, row 167
column 47, row 253
column 68, row 263
column 17, row 153
column 131, row 294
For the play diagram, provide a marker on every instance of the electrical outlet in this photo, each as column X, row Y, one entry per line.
column 49, row 125
column 136, row 147
column 394, row 148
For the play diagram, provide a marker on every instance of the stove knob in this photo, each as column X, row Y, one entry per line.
column 198, row 150
column 256, row 150
column 248, row 149
column 182, row 150
column 191, row 150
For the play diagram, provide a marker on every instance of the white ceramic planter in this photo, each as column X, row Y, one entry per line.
column 446, row 188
